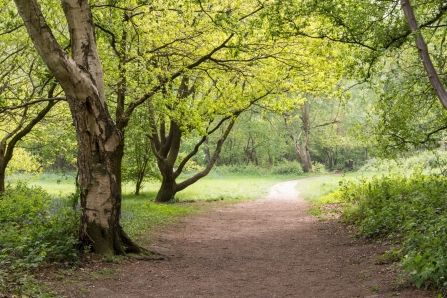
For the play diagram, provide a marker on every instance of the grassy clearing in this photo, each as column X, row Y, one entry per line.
column 216, row 187
column 319, row 189
column 57, row 185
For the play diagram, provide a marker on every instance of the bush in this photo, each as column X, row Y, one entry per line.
column 287, row 168
column 283, row 168
column 319, row 167
column 429, row 161
column 34, row 229
column 433, row 161
column 249, row 169
column 379, row 165
column 410, row 210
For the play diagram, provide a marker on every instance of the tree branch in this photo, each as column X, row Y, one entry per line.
column 195, row 178
column 30, row 103
column 424, row 54
column 158, row 87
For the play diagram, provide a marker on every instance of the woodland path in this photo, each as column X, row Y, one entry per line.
column 269, row 247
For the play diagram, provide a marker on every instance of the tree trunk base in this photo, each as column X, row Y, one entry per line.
column 166, row 192
column 122, row 244
column 126, row 244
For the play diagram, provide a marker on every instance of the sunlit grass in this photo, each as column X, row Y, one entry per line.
column 58, row 185
column 218, row 188
column 316, row 188
column 140, row 215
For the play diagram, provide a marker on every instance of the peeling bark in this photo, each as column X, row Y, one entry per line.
column 99, row 139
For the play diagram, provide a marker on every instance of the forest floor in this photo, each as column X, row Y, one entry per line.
column 270, row 247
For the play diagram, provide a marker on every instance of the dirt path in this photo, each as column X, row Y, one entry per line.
column 266, row 248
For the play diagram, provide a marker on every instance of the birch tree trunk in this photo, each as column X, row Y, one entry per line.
column 81, row 78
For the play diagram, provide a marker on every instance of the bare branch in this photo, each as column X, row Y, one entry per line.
column 30, row 103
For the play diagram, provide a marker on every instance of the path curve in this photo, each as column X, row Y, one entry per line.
column 269, row 247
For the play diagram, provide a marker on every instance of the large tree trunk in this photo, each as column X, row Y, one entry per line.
column 119, row 163
column 98, row 138
column 166, row 150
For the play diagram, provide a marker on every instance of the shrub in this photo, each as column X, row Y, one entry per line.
column 287, row 167
column 34, row 229
column 379, row 165
column 429, row 161
column 410, row 210
column 283, row 168
column 319, row 167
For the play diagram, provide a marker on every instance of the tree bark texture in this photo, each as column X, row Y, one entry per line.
column 424, row 54
column 98, row 138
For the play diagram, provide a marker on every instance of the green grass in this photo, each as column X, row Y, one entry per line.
column 140, row 215
column 57, row 185
column 217, row 188
column 320, row 189
column 315, row 189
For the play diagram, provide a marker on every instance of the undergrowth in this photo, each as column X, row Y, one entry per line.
column 35, row 229
column 139, row 216
column 410, row 211
column 282, row 168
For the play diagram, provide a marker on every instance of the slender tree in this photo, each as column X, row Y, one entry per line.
column 424, row 53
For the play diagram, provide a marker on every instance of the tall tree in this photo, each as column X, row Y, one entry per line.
column 157, row 48
column 301, row 140
column 81, row 78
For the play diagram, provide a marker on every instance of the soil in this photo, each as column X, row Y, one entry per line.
column 266, row 248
